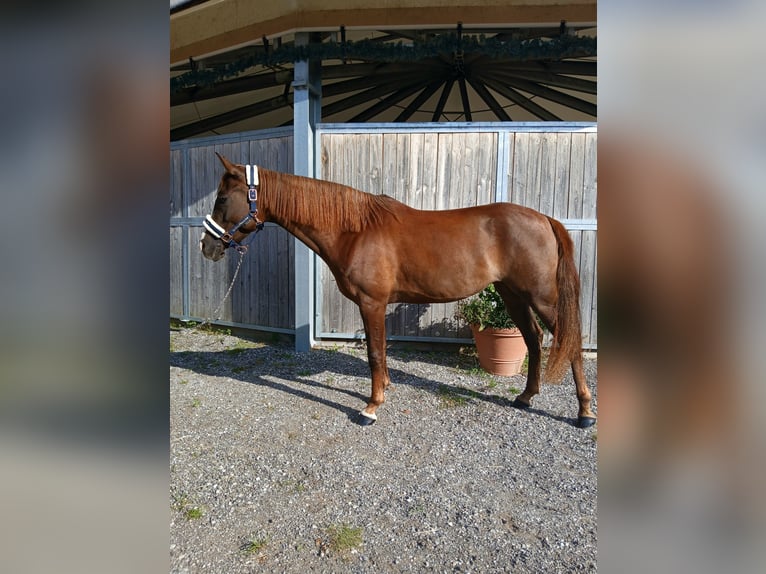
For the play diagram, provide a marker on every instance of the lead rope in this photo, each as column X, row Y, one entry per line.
column 209, row 321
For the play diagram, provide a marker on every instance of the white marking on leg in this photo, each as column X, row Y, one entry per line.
column 371, row 416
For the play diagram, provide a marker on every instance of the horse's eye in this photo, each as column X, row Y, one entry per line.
column 220, row 200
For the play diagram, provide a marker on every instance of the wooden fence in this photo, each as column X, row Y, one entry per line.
column 262, row 297
column 550, row 167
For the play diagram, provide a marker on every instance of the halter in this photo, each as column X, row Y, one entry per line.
column 252, row 196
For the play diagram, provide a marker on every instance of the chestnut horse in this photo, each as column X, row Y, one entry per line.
column 382, row 251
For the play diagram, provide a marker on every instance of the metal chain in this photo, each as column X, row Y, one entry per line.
column 209, row 321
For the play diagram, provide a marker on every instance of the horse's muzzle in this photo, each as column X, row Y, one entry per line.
column 213, row 249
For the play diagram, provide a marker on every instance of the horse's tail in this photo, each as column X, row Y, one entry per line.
column 567, row 338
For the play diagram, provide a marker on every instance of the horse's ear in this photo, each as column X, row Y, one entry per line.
column 226, row 164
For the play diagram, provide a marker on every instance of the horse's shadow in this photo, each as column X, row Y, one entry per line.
column 252, row 365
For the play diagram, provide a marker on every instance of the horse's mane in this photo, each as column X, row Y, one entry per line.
column 322, row 204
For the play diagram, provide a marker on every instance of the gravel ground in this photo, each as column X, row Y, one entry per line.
column 270, row 473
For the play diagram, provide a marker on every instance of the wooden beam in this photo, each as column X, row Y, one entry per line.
column 355, row 100
column 231, row 117
column 421, row 99
column 490, row 100
column 569, row 67
column 388, row 102
column 566, row 82
column 554, row 96
column 382, row 77
column 521, row 100
column 464, row 99
column 442, row 100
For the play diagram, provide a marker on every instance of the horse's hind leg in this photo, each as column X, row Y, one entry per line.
column 525, row 320
column 585, row 416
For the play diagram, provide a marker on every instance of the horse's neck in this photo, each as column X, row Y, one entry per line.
column 322, row 241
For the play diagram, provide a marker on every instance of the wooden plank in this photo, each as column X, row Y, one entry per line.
column 593, row 338
column 284, row 295
column 330, row 301
column 534, row 169
column 503, row 190
column 589, row 179
column 391, row 187
column 398, row 321
column 176, row 182
column 459, row 192
column 175, row 271
column 443, row 169
column 390, row 160
column 518, row 182
column 463, row 192
column 429, row 177
column 360, row 154
column 429, row 185
column 486, row 183
column 267, row 290
column 587, row 266
column 547, row 172
column 357, row 150
column 375, row 167
column 563, row 169
column 414, row 197
column 522, row 180
column 412, row 314
column 252, row 300
column 289, row 303
column 576, row 176
column 200, row 191
column 328, row 164
column 208, row 283
column 415, row 313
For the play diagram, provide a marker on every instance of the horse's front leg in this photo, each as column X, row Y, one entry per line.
column 374, row 318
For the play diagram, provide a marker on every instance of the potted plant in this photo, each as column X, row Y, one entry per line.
column 499, row 343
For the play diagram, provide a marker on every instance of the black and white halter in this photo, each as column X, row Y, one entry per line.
column 252, row 196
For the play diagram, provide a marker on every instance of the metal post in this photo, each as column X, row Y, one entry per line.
column 307, row 91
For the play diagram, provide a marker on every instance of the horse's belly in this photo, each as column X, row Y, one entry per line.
column 440, row 287
column 441, row 271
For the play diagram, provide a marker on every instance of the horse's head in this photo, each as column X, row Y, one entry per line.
column 234, row 212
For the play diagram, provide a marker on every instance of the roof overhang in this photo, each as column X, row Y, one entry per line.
column 217, row 25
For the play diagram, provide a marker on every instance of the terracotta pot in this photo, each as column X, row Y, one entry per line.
column 501, row 351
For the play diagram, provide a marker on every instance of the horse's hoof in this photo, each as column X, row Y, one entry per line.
column 520, row 404
column 366, row 420
column 585, row 422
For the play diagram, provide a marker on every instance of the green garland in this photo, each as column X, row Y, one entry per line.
column 520, row 50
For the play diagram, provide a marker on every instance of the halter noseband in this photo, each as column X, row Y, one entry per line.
column 252, row 196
